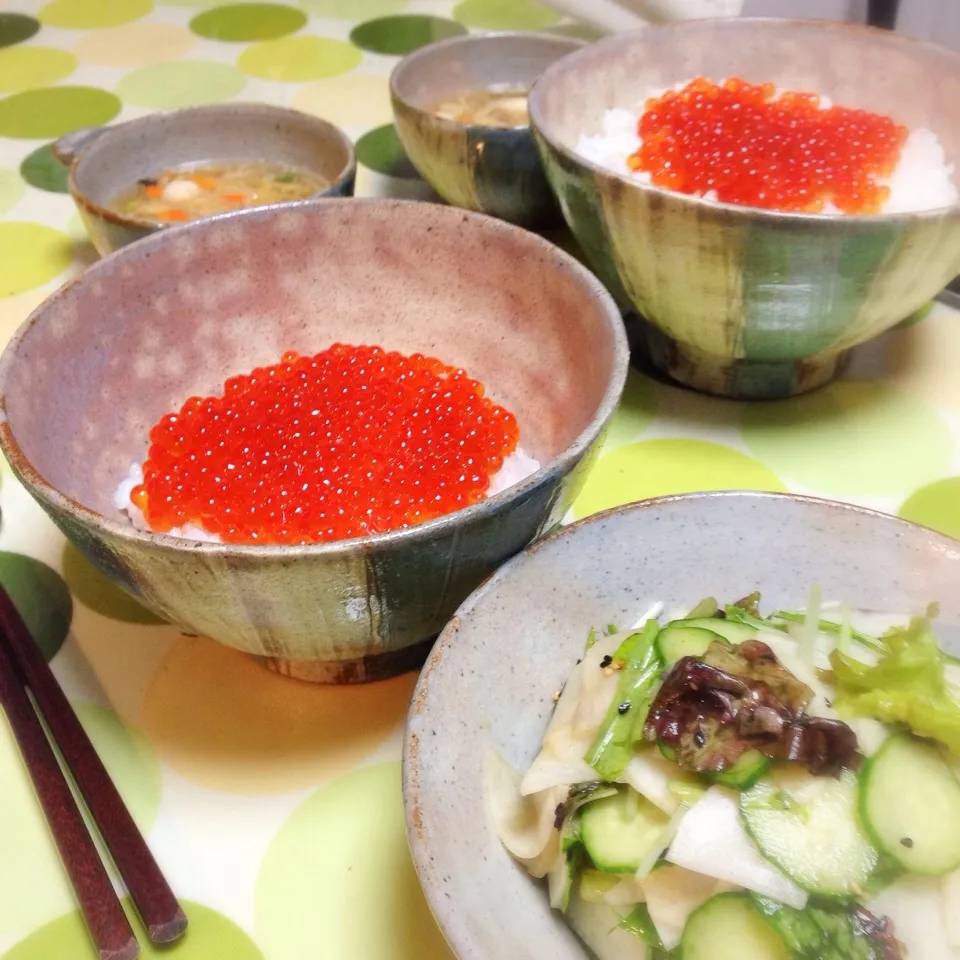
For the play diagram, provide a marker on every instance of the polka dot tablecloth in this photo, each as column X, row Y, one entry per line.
column 274, row 806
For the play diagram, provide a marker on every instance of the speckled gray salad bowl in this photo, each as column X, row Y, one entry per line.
column 745, row 302
column 177, row 313
column 103, row 161
column 494, row 170
column 477, row 692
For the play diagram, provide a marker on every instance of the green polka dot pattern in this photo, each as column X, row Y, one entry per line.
column 838, row 439
column 85, row 14
column 299, row 58
column 98, row 593
column 30, row 255
column 380, row 150
column 16, row 27
column 183, row 83
column 275, row 805
column 400, row 35
column 210, row 936
column 653, row 468
column 41, row 169
column 505, row 14
column 936, row 505
column 41, row 597
column 53, row 111
column 33, row 66
column 356, row 10
column 244, row 22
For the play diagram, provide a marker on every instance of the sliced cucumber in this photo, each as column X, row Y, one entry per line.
column 619, row 832
column 730, row 630
column 729, row 927
column 751, row 766
column 809, row 827
column 677, row 640
column 910, row 802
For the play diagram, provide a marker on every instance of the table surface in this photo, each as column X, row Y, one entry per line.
column 274, row 806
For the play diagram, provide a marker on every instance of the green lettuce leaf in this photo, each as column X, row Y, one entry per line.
column 906, row 685
column 622, row 727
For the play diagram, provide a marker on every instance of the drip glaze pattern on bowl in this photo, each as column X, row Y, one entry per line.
column 494, row 170
column 740, row 301
column 177, row 313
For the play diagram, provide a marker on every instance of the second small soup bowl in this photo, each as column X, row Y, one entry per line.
column 473, row 164
column 104, row 161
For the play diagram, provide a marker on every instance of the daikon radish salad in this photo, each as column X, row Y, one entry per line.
column 724, row 785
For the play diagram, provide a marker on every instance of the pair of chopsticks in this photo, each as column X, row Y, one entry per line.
column 23, row 668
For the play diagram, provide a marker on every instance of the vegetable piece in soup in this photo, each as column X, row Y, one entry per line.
column 188, row 192
column 504, row 107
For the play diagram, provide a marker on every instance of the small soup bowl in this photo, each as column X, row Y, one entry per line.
column 103, row 161
column 179, row 312
column 494, row 170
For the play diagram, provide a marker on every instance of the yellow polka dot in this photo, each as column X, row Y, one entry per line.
column 134, row 44
column 357, row 99
column 299, row 58
column 30, row 254
column 85, row 14
column 921, row 357
column 23, row 67
column 221, row 719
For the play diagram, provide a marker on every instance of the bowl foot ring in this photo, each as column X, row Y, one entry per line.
column 379, row 666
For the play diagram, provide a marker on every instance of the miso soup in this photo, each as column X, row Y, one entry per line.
column 491, row 107
column 197, row 190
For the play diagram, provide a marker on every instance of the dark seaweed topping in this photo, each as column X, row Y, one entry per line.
column 559, row 815
column 711, row 711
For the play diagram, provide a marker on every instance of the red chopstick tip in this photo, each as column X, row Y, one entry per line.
column 169, row 930
column 128, row 952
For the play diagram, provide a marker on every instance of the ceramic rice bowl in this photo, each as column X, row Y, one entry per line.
column 177, row 313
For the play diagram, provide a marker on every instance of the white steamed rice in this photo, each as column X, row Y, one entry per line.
column 516, row 467
column 921, row 181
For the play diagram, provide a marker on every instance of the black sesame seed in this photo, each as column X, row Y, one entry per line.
column 623, row 707
column 606, row 661
column 906, row 841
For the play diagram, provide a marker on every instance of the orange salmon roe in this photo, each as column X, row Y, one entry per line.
column 349, row 442
column 783, row 154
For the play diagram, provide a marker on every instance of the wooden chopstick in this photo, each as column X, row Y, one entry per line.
column 155, row 902
column 108, row 925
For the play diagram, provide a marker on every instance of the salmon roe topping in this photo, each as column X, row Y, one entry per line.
column 749, row 146
column 348, row 442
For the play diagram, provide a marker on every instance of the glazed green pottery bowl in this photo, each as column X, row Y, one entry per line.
column 495, row 170
column 174, row 315
column 103, row 161
column 741, row 301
